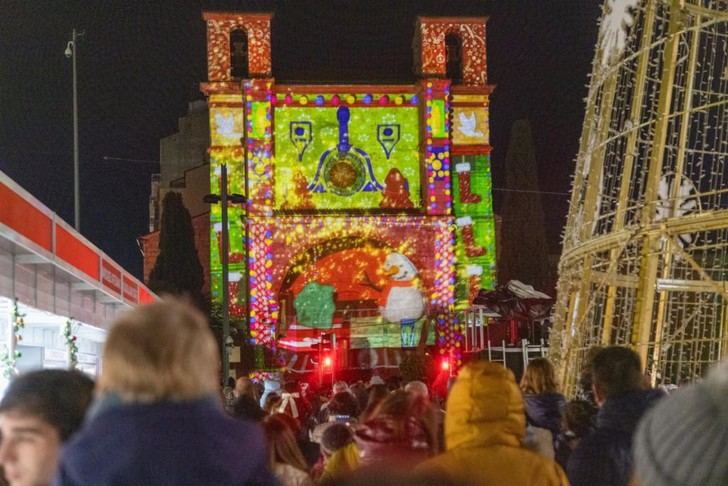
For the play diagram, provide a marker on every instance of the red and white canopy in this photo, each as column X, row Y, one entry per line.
column 45, row 264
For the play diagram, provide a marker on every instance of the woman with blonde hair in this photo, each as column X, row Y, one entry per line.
column 542, row 399
column 158, row 418
column 286, row 459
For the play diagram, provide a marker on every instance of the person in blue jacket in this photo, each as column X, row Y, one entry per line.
column 604, row 457
column 543, row 402
column 158, row 418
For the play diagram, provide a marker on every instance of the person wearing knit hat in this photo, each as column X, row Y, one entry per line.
column 334, row 437
column 418, row 388
column 338, row 451
column 682, row 441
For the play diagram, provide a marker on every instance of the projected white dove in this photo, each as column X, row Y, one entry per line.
column 468, row 125
column 226, row 126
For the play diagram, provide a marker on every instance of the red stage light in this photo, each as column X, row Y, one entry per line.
column 445, row 365
column 327, row 362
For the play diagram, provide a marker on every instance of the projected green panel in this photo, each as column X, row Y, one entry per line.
column 347, row 157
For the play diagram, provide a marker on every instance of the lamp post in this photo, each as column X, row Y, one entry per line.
column 72, row 53
column 223, row 199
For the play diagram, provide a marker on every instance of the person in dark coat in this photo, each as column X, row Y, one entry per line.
column 584, row 385
column 159, row 419
column 246, row 408
column 543, row 402
column 579, row 419
column 605, row 456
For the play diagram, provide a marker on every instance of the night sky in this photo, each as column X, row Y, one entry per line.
column 141, row 62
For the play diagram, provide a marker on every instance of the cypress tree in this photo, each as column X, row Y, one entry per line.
column 177, row 270
column 524, row 252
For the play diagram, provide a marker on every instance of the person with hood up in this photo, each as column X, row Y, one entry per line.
column 485, row 425
column 604, row 457
column 158, row 418
column 682, row 440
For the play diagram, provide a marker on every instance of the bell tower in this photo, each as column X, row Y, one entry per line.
column 239, row 93
column 442, row 44
column 450, row 57
column 238, row 46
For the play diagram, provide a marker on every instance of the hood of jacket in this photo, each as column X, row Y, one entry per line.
column 623, row 412
column 385, row 439
column 485, row 408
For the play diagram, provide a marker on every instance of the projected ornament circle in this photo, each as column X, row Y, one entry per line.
column 344, row 174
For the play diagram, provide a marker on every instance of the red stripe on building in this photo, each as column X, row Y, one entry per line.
column 110, row 276
column 24, row 218
column 145, row 297
column 77, row 253
column 131, row 290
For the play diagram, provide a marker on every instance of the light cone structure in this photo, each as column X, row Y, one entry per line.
column 645, row 249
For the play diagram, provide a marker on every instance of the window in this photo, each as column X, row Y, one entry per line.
column 239, row 54
column 454, row 58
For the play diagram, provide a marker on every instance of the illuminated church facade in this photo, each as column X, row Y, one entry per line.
column 369, row 209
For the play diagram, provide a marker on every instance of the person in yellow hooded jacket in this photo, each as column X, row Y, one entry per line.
column 485, row 425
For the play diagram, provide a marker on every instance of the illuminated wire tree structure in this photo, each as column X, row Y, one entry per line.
column 645, row 250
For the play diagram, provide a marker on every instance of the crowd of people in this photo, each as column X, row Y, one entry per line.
column 158, row 416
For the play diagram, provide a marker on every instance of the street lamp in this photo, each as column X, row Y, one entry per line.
column 223, row 199
column 72, row 53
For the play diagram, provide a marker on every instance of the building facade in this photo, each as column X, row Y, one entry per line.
column 369, row 210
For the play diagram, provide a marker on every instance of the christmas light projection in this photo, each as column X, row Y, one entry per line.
column 226, row 129
column 350, row 221
column 437, row 146
column 259, row 99
column 382, row 136
column 291, row 252
column 646, row 240
column 475, row 220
